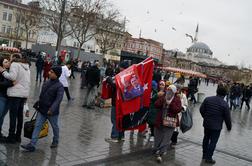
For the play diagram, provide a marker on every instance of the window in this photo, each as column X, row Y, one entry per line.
column 5, row 16
column 3, row 30
column 9, row 29
column 10, row 17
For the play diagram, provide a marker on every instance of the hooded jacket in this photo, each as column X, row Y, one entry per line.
column 20, row 73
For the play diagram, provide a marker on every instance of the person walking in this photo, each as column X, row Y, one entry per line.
column 214, row 110
column 169, row 106
column 50, row 98
column 93, row 80
column 4, row 84
column 246, row 95
column 19, row 73
column 39, row 65
column 63, row 79
column 47, row 68
column 192, row 89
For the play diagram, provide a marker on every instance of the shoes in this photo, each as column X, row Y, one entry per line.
column 90, row 107
column 152, row 139
column 10, row 140
column 84, row 105
column 210, row 161
column 159, row 159
column 54, row 145
column 18, row 139
column 71, row 99
column 29, row 147
column 111, row 140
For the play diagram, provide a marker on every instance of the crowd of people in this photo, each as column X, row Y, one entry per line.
column 168, row 99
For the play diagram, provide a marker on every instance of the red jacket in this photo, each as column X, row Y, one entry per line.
column 174, row 108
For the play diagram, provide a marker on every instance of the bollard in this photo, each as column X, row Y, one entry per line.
column 201, row 97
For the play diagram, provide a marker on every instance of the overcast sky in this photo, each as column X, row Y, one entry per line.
column 224, row 25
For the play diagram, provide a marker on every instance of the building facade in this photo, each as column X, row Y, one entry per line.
column 13, row 32
column 147, row 47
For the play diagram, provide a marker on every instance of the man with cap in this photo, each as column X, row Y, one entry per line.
column 48, row 108
column 116, row 136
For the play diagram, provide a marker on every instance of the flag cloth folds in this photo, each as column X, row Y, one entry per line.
column 133, row 87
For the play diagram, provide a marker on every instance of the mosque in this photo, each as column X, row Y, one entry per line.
column 200, row 52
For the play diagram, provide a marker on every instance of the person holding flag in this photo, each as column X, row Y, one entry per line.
column 116, row 135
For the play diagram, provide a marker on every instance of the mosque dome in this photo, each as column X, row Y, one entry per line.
column 200, row 47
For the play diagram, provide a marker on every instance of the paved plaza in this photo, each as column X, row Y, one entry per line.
column 82, row 134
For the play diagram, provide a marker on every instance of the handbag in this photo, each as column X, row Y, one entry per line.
column 169, row 121
column 30, row 125
column 186, row 121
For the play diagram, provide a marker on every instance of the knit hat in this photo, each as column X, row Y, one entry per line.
column 173, row 88
column 57, row 70
column 124, row 65
column 167, row 83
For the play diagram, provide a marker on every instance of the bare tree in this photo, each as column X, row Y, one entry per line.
column 110, row 32
column 28, row 21
column 56, row 16
column 84, row 20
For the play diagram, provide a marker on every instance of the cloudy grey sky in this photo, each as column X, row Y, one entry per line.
column 224, row 25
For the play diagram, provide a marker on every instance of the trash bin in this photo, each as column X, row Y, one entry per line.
column 201, row 97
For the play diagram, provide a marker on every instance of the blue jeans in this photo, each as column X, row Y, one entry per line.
column 39, row 74
column 3, row 111
column 40, row 120
column 210, row 140
column 115, row 133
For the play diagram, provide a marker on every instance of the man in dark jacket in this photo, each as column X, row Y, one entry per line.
column 48, row 108
column 214, row 111
column 93, row 81
column 39, row 65
column 192, row 89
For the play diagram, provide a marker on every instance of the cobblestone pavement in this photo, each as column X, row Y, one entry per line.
column 82, row 134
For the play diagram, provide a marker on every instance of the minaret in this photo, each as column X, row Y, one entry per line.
column 140, row 34
column 196, row 34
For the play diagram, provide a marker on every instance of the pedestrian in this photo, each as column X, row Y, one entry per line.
column 169, row 105
column 184, row 103
column 246, row 95
column 116, row 136
column 50, row 98
column 19, row 73
column 39, row 65
column 64, row 79
column 214, row 111
column 4, row 84
column 93, row 81
column 84, row 68
column 192, row 89
column 47, row 68
column 73, row 67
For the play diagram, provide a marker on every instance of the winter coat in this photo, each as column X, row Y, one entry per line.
column 64, row 75
column 47, row 68
column 153, row 111
column 39, row 64
column 111, row 82
column 173, row 110
column 20, row 73
column 50, row 97
column 93, row 76
column 4, row 84
column 214, row 111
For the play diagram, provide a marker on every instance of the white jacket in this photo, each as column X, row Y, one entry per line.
column 20, row 73
column 64, row 75
column 184, row 101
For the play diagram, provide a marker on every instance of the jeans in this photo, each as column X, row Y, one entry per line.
column 115, row 133
column 40, row 120
column 3, row 111
column 16, row 106
column 90, row 95
column 210, row 140
column 39, row 75
column 67, row 93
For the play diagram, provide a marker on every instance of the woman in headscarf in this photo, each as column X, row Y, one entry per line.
column 169, row 105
